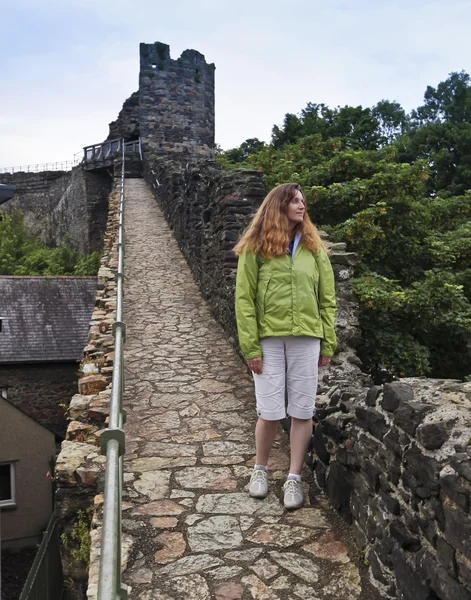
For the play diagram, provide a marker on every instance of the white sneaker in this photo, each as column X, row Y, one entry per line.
column 258, row 487
column 293, row 494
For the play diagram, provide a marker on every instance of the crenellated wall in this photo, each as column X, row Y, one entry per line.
column 176, row 102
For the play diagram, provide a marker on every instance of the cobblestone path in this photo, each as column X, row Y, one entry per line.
column 191, row 530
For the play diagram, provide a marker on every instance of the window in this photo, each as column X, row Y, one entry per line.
column 7, row 484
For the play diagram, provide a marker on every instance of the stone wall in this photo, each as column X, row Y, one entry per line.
column 59, row 203
column 40, row 390
column 176, row 102
column 394, row 460
column 127, row 124
column 80, row 465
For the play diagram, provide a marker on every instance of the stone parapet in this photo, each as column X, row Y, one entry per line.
column 394, row 460
column 80, row 465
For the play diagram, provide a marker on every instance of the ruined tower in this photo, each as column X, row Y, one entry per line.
column 176, row 102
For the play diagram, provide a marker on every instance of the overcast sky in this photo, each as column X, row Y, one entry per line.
column 66, row 66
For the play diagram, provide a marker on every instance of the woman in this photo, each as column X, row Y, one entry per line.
column 285, row 310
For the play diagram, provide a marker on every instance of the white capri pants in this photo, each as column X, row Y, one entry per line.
column 291, row 361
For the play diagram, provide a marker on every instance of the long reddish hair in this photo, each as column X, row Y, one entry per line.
column 268, row 233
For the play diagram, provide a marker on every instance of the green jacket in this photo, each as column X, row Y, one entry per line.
column 285, row 296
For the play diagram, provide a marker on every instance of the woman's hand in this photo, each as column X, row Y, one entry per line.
column 324, row 361
column 255, row 365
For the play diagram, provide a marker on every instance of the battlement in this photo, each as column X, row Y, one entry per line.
column 176, row 102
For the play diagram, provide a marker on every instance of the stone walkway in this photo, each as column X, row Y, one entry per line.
column 191, row 530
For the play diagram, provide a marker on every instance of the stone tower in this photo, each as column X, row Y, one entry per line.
column 176, row 102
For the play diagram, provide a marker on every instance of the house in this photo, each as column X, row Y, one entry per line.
column 44, row 324
column 27, row 450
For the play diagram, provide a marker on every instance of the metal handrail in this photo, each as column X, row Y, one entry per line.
column 102, row 151
column 110, row 586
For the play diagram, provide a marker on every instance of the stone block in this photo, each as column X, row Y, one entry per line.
column 432, row 435
column 378, row 571
column 420, row 473
column 320, row 473
column 78, row 405
column 446, row 556
column 392, row 504
column 461, row 462
column 331, row 428
column 320, row 447
column 463, row 565
column 92, row 384
column 346, row 456
column 343, row 258
column 361, row 487
column 359, row 510
column 372, row 395
column 371, row 421
column 451, row 486
column 359, row 535
column 371, row 475
column 429, row 529
column 408, row 416
column 394, row 394
column 78, row 431
column 391, row 441
column 438, row 512
column 409, row 583
column 339, row 487
column 445, row 586
column 458, row 528
column 383, row 549
column 406, row 540
column 73, row 455
column 99, row 409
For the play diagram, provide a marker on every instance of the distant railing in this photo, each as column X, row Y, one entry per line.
column 110, row 586
column 103, row 151
column 45, row 579
column 106, row 150
column 66, row 165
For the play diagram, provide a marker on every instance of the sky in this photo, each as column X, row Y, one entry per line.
column 66, row 66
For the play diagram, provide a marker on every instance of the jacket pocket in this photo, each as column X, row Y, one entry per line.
column 265, row 292
column 316, row 297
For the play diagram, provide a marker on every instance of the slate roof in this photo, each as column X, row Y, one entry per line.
column 45, row 319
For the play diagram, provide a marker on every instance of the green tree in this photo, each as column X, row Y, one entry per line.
column 397, row 189
column 21, row 253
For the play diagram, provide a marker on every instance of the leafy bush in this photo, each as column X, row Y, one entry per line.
column 21, row 253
